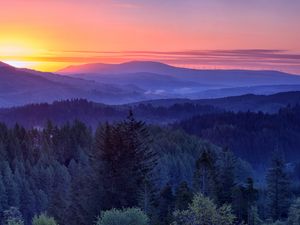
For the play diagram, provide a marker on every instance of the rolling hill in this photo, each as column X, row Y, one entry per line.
column 134, row 82
column 173, row 82
column 23, row 86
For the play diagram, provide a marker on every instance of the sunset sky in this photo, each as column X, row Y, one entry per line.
column 51, row 34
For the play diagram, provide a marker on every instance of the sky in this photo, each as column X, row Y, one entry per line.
column 208, row 34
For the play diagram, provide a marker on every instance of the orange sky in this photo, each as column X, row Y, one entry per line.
column 51, row 34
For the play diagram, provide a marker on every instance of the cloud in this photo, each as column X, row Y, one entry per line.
column 253, row 53
column 266, row 59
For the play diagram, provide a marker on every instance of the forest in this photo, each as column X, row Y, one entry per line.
column 130, row 172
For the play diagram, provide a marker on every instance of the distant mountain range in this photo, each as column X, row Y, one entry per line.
column 24, row 86
column 135, row 81
column 167, row 81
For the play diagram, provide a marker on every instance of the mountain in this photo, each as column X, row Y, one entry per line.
column 128, row 67
column 135, row 81
column 23, row 86
column 174, row 82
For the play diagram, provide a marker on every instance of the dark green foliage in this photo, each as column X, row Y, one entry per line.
column 226, row 176
column 166, row 205
column 203, row 211
column 12, row 216
column 59, row 170
column 205, row 176
column 294, row 213
column 278, row 188
column 60, row 194
column 33, row 168
column 250, row 135
column 71, row 174
column 183, row 196
column 126, row 159
column 147, row 197
column 43, row 219
column 244, row 199
column 129, row 216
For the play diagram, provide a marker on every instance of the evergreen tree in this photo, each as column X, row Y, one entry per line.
column 147, row 197
column 251, row 196
column 107, row 157
column 126, row 161
column 60, row 196
column 166, row 205
column 12, row 189
column 278, row 188
column 13, row 216
column 3, row 199
column 27, row 202
column 244, row 201
column 82, row 208
column 226, row 176
column 183, row 196
column 203, row 211
column 205, row 174
column 294, row 213
column 43, row 219
column 239, row 203
column 253, row 217
column 130, row 216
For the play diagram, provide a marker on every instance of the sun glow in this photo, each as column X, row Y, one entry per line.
column 20, row 53
column 11, row 47
column 21, row 64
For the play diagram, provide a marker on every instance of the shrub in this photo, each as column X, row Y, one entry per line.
column 130, row 216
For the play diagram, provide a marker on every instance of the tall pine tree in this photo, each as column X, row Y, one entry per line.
column 278, row 188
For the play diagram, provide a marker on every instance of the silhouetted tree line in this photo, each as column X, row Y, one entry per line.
column 92, row 113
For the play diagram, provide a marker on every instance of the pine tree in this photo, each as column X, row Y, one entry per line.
column 13, row 216
column 203, row 211
column 3, row 199
column 205, row 174
column 239, row 203
column 253, row 217
column 126, row 159
column 27, row 202
column 60, row 196
column 82, row 208
column 166, row 205
column 183, row 196
column 147, row 197
column 12, row 190
column 278, row 188
column 107, row 157
column 294, row 213
column 226, row 176
column 43, row 219
column 251, row 196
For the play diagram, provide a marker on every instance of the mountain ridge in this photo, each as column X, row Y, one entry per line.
column 129, row 84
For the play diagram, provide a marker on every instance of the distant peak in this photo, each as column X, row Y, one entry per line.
column 145, row 63
column 126, row 67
